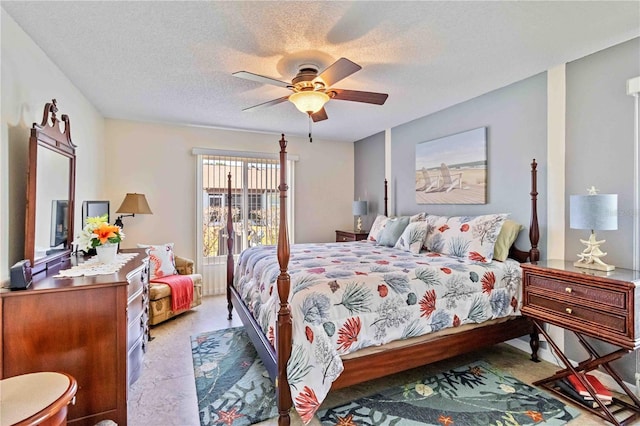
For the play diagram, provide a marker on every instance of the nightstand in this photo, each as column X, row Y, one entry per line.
column 343, row 236
column 591, row 303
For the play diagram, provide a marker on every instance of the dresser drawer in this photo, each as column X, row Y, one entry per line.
column 344, row 236
column 594, row 303
column 136, row 307
column 571, row 290
column 135, row 361
column 136, row 281
column 566, row 311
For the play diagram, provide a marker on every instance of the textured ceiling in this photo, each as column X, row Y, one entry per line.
column 172, row 61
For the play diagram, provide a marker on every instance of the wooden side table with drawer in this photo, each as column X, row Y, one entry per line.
column 590, row 303
column 344, row 236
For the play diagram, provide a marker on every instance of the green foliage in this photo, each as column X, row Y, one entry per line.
column 414, row 328
column 479, row 310
column 416, row 235
column 298, row 366
column 304, row 281
column 459, row 247
column 356, row 298
column 397, row 281
column 427, row 275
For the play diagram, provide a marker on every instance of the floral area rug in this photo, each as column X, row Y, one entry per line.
column 473, row 394
column 232, row 384
column 234, row 389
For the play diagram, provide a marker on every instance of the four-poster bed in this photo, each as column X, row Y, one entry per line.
column 275, row 346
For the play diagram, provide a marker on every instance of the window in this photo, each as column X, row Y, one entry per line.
column 255, row 207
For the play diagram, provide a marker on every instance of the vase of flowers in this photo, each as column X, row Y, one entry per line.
column 107, row 253
column 98, row 234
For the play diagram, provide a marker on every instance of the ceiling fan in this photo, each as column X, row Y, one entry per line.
column 312, row 90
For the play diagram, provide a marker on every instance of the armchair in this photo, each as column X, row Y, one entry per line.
column 160, row 294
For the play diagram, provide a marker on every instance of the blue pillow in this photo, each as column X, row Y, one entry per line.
column 392, row 231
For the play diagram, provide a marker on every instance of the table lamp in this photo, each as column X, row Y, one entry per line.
column 134, row 204
column 595, row 212
column 359, row 209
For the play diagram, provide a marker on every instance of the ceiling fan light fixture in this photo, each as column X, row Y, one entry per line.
column 309, row 101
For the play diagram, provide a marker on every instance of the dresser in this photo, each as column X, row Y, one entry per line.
column 344, row 236
column 586, row 302
column 93, row 328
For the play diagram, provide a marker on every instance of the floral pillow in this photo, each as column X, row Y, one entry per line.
column 161, row 260
column 377, row 227
column 467, row 237
column 413, row 237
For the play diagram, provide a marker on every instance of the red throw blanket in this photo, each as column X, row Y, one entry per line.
column 181, row 290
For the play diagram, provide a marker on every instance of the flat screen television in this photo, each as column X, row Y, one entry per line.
column 59, row 222
column 94, row 209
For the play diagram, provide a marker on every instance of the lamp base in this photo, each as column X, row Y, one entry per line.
column 596, row 266
column 590, row 256
column 359, row 225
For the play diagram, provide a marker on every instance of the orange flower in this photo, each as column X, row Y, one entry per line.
column 346, row 421
column 445, row 420
column 536, row 416
column 97, row 232
column 106, row 231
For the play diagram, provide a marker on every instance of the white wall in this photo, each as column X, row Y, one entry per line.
column 29, row 79
column 115, row 157
column 156, row 159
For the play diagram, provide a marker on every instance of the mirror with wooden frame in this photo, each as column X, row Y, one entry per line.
column 50, row 192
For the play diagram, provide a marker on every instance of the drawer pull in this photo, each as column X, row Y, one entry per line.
column 568, row 310
column 568, row 290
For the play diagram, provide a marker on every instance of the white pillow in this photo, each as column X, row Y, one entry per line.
column 377, row 227
column 418, row 217
column 161, row 260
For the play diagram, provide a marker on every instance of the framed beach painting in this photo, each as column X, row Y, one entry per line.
column 452, row 169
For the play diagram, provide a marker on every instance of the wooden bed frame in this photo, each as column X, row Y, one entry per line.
column 379, row 364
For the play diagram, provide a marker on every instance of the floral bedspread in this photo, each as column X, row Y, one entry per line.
column 347, row 296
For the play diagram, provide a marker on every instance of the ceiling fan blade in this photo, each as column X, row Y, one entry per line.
column 340, row 69
column 319, row 116
column 266, row 104
column 260, row 78
column 358, row 96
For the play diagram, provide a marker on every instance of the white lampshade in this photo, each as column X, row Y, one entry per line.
column 359, row 208
column 309, row 101
column 595, row 212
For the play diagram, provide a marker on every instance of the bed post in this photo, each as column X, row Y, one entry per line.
column 229, row 247
column 534, row 231
column 534, row 253
column 386, row 198
column 283, row 327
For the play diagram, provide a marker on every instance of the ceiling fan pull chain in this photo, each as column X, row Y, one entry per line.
column 310, row 138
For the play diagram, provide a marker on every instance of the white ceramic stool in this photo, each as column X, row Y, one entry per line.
column 36, row 399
